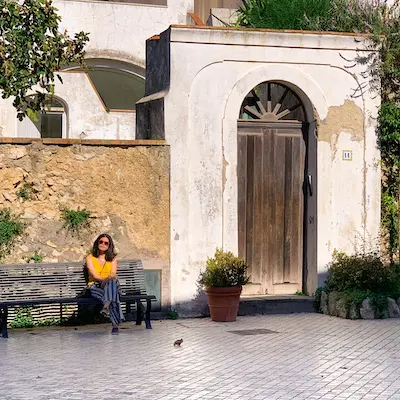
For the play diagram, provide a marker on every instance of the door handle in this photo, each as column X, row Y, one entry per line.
column 310, row 185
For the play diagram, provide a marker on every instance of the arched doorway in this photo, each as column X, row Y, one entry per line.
column 274, row 187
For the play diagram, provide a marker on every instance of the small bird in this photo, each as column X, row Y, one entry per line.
column 178, row 342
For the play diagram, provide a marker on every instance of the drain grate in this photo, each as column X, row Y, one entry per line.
column 250, row 332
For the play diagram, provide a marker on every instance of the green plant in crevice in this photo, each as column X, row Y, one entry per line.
column 25, row 192
column 35, row 258
column 76, row 220
column 10, row 229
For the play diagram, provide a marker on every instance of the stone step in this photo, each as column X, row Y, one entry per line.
column 270, row 304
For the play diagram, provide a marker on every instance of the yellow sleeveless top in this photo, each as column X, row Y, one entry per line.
column 103, row 270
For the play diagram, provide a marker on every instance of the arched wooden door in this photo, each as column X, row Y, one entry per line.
column 271, row 182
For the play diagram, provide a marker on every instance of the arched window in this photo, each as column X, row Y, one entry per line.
column 118, row 84
column 51, row 123
column 119, row 90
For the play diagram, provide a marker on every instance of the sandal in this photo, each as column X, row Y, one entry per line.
column 105, row 312
column 115, row 330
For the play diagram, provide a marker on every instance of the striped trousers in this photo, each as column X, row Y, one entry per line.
column 110, row 293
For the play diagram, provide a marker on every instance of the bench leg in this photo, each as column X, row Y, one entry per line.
column 139, row 312
column 148, row 311
column 3, row 322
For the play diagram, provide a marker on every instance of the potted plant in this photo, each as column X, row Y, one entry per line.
column 223, row 279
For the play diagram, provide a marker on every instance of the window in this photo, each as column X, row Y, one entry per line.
column 118, row 89
column 118, row 84
column 49, row 124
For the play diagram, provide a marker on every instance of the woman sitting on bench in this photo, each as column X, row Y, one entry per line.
column 102, row 267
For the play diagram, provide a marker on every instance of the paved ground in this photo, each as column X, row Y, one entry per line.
column 308, row 357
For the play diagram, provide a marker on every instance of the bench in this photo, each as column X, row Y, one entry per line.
column 64, row 283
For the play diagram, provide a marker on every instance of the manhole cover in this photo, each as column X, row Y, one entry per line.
column 253, row 332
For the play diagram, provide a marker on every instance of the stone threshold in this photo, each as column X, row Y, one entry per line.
column 274, row 297
column 85, row 142
column 275, row 304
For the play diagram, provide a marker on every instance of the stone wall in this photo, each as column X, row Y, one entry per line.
column 124, row 185
column 339, row 304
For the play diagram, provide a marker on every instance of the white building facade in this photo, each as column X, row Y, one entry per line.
column 100, row 104
column 309, row 182
column 272, row 135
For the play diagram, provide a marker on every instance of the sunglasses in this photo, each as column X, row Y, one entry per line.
column 104, row 242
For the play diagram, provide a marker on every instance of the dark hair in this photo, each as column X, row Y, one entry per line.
column 110, row 253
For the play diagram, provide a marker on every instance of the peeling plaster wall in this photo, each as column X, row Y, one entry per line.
column 212, row 70
column 117, row 31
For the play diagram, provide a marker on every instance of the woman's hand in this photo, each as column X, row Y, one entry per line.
column 105, row 281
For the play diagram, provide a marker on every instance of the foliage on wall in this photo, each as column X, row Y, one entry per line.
column 10, row 229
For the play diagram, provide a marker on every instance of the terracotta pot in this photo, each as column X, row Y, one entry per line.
column 224, row 303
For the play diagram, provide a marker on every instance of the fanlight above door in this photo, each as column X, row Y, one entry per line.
column 272, row 101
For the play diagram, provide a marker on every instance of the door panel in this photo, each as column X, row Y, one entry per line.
column 271, row 162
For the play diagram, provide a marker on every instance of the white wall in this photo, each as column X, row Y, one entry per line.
column 221, row 67
column 120, row 30
column 117, row 31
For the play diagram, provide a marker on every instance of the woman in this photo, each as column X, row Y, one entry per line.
column 102, row 267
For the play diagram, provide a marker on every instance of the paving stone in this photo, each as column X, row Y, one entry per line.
column 310, row 356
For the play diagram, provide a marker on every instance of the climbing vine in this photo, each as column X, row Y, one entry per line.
column 381, row 21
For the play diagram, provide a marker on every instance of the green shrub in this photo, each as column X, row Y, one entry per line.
column 379, row 303
column 357, row 277
column 317, row 299
column 224, row 270
column 51, row 321
column 172, row 314
column 23, row 319
column 314, row 15
column 75, row 220
column 354, row 297
column 10, row 228
column 284, row 14
column 366, row 273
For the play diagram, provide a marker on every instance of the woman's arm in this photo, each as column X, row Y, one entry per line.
column 92, row 270
column 114, row 267
column 113, row 273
